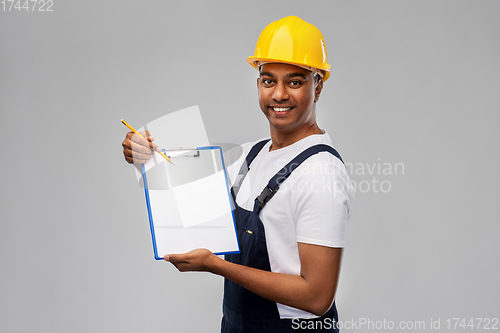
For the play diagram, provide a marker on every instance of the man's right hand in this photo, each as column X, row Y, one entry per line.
column 138, row 150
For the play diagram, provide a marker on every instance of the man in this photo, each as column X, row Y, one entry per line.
column 291, row 240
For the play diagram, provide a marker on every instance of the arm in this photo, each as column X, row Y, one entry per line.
column 313, row 290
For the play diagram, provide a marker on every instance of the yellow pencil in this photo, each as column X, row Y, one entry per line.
column 133, row 130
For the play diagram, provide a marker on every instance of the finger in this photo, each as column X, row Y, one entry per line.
column 131, row 158
column 172, row 258
column 127, row 143
column 177, row 259
column 137, row 151
column 141, row 149
column 155, row 146
column 134, row 139
column 136, row 157
column 140, row 140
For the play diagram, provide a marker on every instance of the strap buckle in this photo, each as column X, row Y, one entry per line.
column 266, row 195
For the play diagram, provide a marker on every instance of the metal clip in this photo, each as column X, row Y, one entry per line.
column 182, row 152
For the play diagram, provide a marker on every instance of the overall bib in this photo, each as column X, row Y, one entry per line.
column 243, row 310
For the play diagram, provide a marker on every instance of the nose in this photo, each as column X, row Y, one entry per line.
column 280, row 92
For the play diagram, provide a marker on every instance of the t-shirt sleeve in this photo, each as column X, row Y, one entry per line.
column 324, row 198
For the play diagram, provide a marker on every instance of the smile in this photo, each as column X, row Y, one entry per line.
column 281, row 109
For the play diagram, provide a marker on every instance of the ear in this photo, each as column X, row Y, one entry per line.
column 258, row 82
column 317, row 90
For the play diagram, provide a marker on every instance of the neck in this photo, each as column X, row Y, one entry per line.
column 281, row 139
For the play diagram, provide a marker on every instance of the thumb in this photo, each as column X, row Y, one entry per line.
column 173, row 258
column 153, row 145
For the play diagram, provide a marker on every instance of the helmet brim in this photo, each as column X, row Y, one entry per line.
column 254, row 61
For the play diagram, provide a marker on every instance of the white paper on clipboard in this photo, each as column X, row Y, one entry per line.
column 189, row 204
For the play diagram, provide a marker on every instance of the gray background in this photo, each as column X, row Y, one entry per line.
column 413, row 82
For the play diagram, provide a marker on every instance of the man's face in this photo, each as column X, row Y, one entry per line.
column 287, row 96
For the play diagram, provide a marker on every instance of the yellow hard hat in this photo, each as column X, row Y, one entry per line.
column 292, row 40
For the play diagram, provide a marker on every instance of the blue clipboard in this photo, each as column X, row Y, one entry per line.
column 190, row 205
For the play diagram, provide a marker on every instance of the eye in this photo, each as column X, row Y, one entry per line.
column 295, row 83
column 267, row 82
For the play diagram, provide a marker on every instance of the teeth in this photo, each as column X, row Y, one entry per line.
column 281, row 109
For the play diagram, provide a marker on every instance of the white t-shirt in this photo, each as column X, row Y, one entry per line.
column 312, row 205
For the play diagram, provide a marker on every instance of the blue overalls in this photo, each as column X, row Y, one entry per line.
column 245, row 311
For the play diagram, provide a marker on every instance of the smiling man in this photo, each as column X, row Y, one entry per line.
column 292, row 196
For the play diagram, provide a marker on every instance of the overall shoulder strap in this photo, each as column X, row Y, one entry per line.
column 273, row 185
column 246, row 165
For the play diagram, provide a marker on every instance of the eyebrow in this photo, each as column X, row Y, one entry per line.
column 290, row 75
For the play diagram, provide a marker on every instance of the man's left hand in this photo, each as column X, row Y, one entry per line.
column 195, row 260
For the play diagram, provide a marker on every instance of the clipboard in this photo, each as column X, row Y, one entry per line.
column 189, row 205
